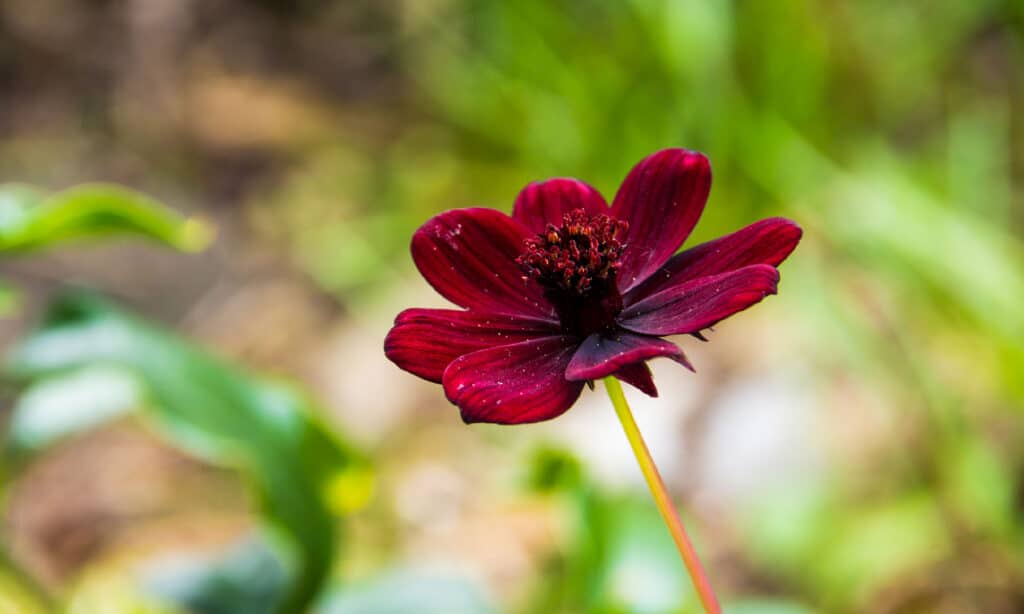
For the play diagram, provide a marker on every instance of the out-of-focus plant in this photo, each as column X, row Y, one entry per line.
column 211, row 409
column 618, row 558
column 31, row 219
column 89, row 362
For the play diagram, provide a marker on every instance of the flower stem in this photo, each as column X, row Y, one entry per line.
column 661, row 498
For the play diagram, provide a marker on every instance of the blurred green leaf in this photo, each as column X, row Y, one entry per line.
column 872, row 546
column 65, row 404
column 785, row 526
column 31, row 219
column 971, row 264
column 409, row 592
column 981, row 486
column 619, row 559
column 217, row 411
column 551, row 469
column 249, row 578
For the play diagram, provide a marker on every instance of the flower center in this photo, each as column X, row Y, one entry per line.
column 577, row 263
column 579, row 256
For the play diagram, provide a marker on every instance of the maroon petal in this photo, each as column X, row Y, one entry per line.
column 468, row 256
column 638, row 375
column 699, row 303
column 514, row 384
column 603, row 354
column 662, row 199
column 545, row 202
column 768, row 241
column 425, row 341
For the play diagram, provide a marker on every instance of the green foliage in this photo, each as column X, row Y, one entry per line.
column 249, row 578
column 620, row 558
column 31, row 219
column 65, row 404
column 217, row 411
column 616, row 560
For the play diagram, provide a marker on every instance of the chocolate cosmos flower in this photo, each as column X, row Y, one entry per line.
column 568, row 290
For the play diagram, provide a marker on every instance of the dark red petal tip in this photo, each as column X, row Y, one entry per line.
column 696, row 304
column 638, row 375
column 603, row 354
column 425, row 341
column 469, row 257
column 514, row 384
column 661, row 199
column 546, row 202
column 767, row 241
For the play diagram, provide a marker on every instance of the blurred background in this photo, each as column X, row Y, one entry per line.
column 217, row 430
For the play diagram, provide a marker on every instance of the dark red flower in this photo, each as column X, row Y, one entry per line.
column 568, row 290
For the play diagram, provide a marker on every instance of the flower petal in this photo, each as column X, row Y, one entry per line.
column 638, row 375
column 662, row 199
column 696, row 304
column 468, row 256
column 545, row 202
column 514, row 384
column 768, row 241
column 425, row 341
column 603, row 354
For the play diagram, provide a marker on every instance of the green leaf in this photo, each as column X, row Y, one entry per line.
column 619, row 556
column 59, row 406
column 212, row 409
column 31, row 219
column 248, row 578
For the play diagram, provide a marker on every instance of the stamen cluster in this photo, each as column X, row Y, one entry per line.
column 578, row 256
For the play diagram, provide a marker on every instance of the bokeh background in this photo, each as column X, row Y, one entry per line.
column 240, row 443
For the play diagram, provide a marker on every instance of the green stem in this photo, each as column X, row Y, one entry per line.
column 661, row 498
